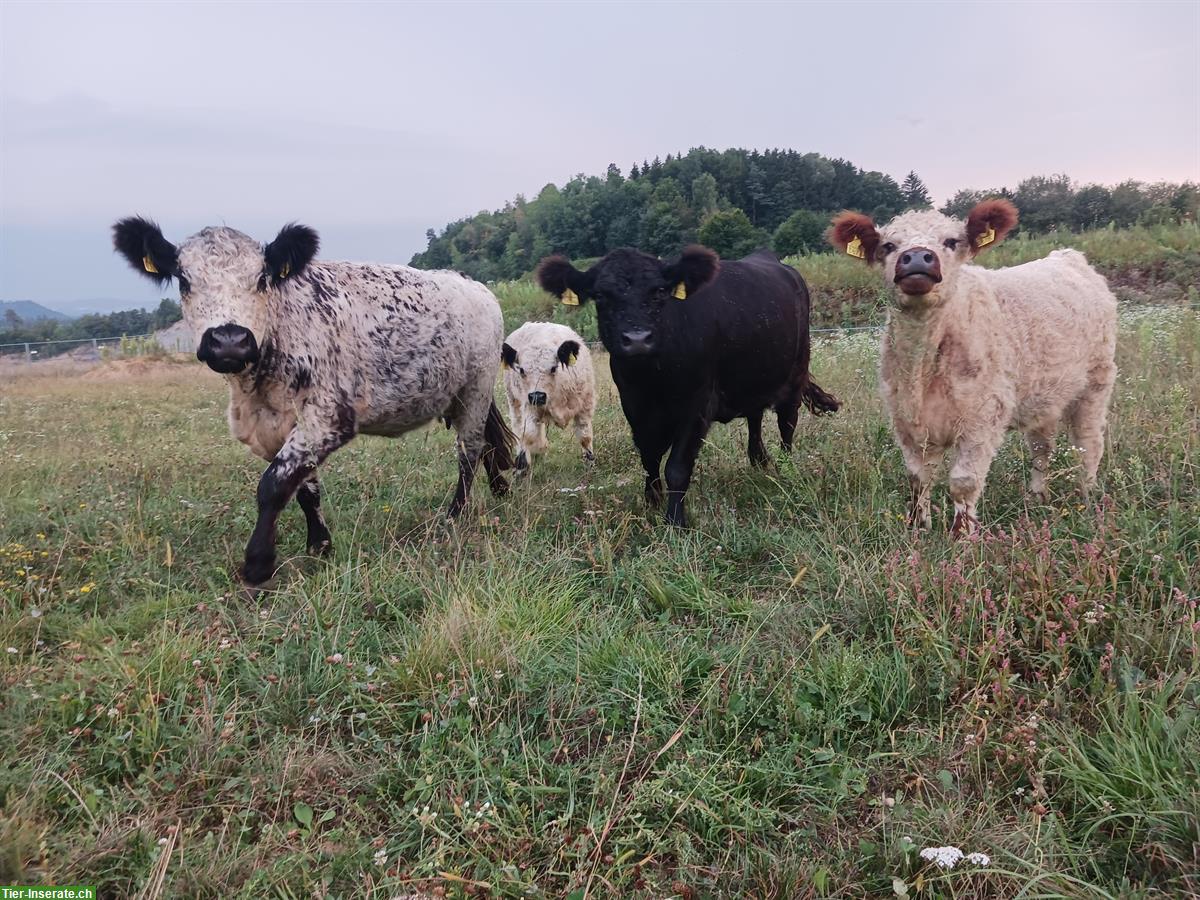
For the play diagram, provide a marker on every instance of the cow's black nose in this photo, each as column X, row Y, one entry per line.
column 228, row 349
column 637, row 342
column 918, row 270
column 917, row 257
column 537, row 398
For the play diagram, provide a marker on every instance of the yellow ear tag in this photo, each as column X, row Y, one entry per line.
column 680, row 291
column 148, row 265
column 285, row 271
column 986, row 238
column 855, row 248
column 571, row 359
column 570, row 298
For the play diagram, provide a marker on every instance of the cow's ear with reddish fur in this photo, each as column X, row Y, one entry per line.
column 988, row 222
column 695, row 268
column 557, row 276
column 855, row 234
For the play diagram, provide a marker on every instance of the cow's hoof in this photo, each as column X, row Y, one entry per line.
column 964, row 525
column 323, row 548
column 256, row 573
column 654, row 495
column 589, row 457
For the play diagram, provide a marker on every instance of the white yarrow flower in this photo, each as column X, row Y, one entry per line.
column 979, row 859
column 943, row 857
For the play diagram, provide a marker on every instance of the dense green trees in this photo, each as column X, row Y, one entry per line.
column 659, row 207
column 738, row 200
column 93, row 325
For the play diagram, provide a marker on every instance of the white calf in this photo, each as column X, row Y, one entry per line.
column 548, row 375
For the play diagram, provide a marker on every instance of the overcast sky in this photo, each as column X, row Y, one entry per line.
column 374, row 121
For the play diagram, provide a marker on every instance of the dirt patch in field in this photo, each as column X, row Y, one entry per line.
column 144, row 368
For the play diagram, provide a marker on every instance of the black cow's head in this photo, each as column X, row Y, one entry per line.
column 224, row 278
column 630, row 289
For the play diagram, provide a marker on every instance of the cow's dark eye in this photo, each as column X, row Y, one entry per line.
column 185, row 286
column 950, row 243
column 889, row 248
column 553, row 369
column 521, row 369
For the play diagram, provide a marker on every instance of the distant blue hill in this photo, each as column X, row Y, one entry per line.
column 30, row 311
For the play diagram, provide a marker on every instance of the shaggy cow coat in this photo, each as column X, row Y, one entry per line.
column 317, row 352
column 971, row 352
column 548, row 377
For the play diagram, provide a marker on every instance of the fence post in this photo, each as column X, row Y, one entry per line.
column 28, row 355
column 95, row 346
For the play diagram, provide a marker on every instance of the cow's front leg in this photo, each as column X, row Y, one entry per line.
column 967, row 477
column 922, row 464
column 293, row 465
column 680, row 464
column 308, row 495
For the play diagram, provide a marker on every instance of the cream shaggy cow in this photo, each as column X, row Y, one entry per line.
column 317, row 352
column 548, row 376
column 971, row 352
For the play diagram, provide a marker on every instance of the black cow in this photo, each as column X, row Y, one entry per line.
column 697, row 341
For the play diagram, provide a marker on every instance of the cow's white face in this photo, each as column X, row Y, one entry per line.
column 222, row 282
column 921, row 253
column 226, row 281
column 531, row 373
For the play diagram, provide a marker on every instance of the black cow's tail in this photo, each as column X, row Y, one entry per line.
column 819, row 401
column 498, row 438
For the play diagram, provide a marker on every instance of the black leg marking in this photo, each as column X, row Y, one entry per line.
column 320, row 541
column 755, row 448
column 466, row 475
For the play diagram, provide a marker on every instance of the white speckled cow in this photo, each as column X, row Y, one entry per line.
column 548, row 376
column 971, row 352
column 316, row 352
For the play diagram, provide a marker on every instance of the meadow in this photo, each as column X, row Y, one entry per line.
column 560, row 697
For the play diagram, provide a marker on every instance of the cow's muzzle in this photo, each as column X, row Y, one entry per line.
column 537, row 398
column 228, row 349
column 637, row 343
column 918, row 271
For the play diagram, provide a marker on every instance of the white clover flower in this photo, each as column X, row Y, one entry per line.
column 943, row 857
column 473, row 702
column 380, row 857
column 13, row 650
column 35, row 612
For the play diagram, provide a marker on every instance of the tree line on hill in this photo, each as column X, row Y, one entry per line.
column 738, row 200
column 14, row 329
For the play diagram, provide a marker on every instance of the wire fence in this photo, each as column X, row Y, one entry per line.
column 88, row 349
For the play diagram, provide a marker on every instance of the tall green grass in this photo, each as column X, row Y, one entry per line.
column 559, row 697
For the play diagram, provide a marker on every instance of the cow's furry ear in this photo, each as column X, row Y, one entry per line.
column 695, row 268
column 142, row 244
column 568, row 352
column 557, row 276
column 851, row 227
column 988, row 222
column 293, row 249
column 508, row 356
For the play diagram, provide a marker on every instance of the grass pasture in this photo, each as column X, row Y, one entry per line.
column 559, row 697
